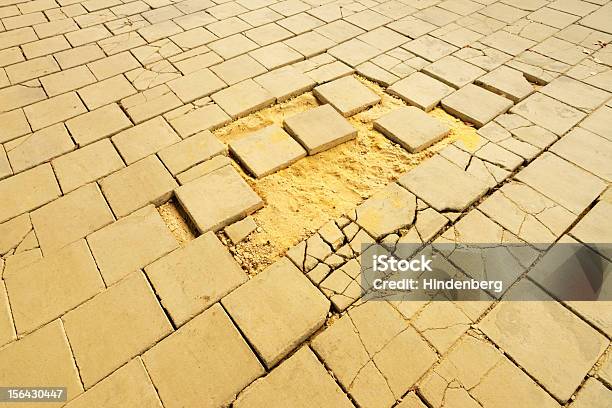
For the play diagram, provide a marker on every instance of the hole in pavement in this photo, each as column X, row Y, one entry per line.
column 177, row 222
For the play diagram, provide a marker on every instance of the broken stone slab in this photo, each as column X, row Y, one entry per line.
column 217, row 199
column 507, row 82
column 13, row 232
column 319, row 129
column 347, row 95
column 420, row 90
column 239, row 230
column 183, row 155
column 413, row 129
column 266, row 151
column 476, row 105
column 203, row 168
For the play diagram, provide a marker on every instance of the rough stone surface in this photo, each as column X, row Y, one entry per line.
column 476, row 105
column 347, row 95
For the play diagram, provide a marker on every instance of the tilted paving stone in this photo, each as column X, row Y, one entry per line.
column 319, row 129
column 203, row 168
column 347, row 95
column 185, row 154
column 453, row 71
column 266, row 151
column 303, row 381
column 117, row 324
column 507, row 82
column 243, row 98
column 329, row 72
column 377, row 74
column 210, row 337
column 240, row 230
column 413, row 129
column 131, row 243
column 277, row 310
column 189, row 120
column 192, row 278
column 538, row 68
column 217, row 199
column 576, row 94
column 420, row 90
column 476, row 105
column 137, row 185
column 48, row 288
column 57, row 368
column 98, row 124
column 145, row 139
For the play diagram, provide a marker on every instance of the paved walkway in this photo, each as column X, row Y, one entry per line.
column 106, row 111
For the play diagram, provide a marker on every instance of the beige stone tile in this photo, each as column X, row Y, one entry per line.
column 442, row 323
column 45, row 47
column 48, row 288
column 204, row 363
column 192, row 278
column 71, row 217
column 238, row 69
column 17, row 37
column 98, row 124
column 593, row 394
column 52, row 28
column 131, row 243
column 189, row 120
column 53, row 110
column 232, row 46
column 22, row 259
column 57, row 366
column 11, row 56
column 203, row 169
column 150, row 103
column 38, row 147
column 115, row 326
column 196, row 85
column 14, row 124
column 285, row 83
column 13, row 232
column 193, row 38
column 114, row 65
column 121, row 42
column 7, row 329
column 5, row 167
column 67, row 80
column 243, row 98
column 129, row 386
column 27, row 191
column 78, row 56
column 191, row 151
column 145, row 139
column 88, row 35
column 18, row 96
column 24, row 20
column 159, row 30
column 107, row 91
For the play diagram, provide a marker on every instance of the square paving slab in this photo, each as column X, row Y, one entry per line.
column 347, row 95
column 420, row 90
column 476, row 105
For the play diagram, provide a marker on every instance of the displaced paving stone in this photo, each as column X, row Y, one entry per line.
column 476, row 105
column 300, row 380
column 56, row 368
column 142, row 140
column 129, row 385
column 453, row 71
column 192, row 278
column 86, row 164
column 443, row 185
column 413, row 129
column 558, row 336
column 239, row 230
column 203, row 168
column 98, row 124
column 319, row 129
column 347, row 95
column 420, row 90
column 193, row 150
column 176, row 369
column 243, row 98
column 266, row 151
column 7, row 329
column 277, row 310
column 70, row 218
column 563, row 182
column 27, row 191
column 50, row 287
column 38, row 147
column 130, row 244
column 285, row 83
column 117, row 324
column 217, row 199
column 430, row 48
column 507, row 82
column 144, row 182
column 587, row 150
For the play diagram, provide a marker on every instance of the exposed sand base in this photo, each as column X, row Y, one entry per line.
column 176, row 222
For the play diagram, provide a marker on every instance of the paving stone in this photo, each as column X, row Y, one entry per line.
column 48, row 288
column 592, row 394
column 98, row 124
column 13, row 232
column 548, row 113
column 347, row 95
column 507, row 42
column 276, row 55
column 86, row 164
column 310, row 44
column 105, row 92
column 442, row 324
column 33, row 68
column 339, row 31
column 191, row 151
column 443, row 185
column 285, row 83
column 145, row 139
column 430, row 48
column 413, row 129
column 453, row 71
column 67, row 80
column 594, row 228
column 420, row 90
column 129, row 385
column 239, row 230
column 54, row 110
column 144, row 182
column 597, row 122
column 560, row 50
column 266, row 151
column 319, row 129
column 277, row 310
column 130, row 244
column 14, row 124
column 38, row 147
column 228, row 199
column 411, row 401
column 576, row 94
column 548, row 350
column 507, row 82
column 150, row 103
column 559, row 180
column 203, row 168
column 27, row 191
column 495, row 154
column 56, row 368
column 354, row 52
column 243, row 98
column 586, row 150
column 301, row 380
column 6, row 317
column 115, row 326
column 196, row 85
column 329, row 72
column 476, row 105
column 376, row 74
column 18, row 96
column 599, row 20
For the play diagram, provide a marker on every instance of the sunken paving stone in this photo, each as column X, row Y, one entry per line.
column 301, row 380
column 443, row 185
column 420, row 90
column 118, row 324
column 200, row 147
column 243, row 98
column 204, row 363
column 266, row 151
column 319, row 129
column 193, row 277
column 144, row 182
column 347, row 95
column 277, row 310
column 507, row 82
column 476, row 105
column 131, row 243
column 453, row 71
column 413, row 129
column 52, row 286
column 217, row 199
